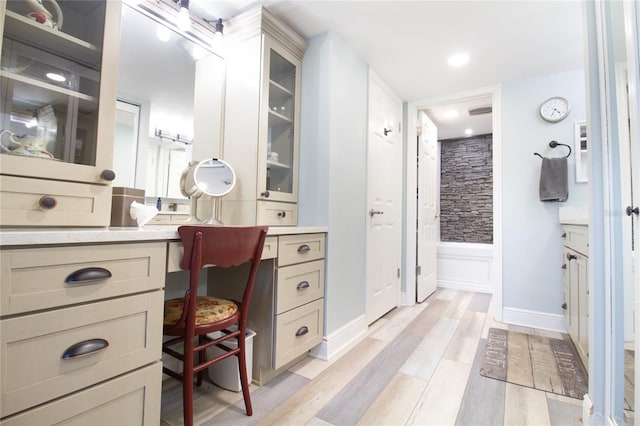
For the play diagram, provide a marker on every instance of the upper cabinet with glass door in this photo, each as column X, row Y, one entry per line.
column 262, row 114
column 57, row 105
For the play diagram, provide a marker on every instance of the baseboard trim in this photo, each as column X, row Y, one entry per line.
column 341, row 340
column 465, row 286
column 534, row 319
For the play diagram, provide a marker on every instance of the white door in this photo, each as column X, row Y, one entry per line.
column 428, row 223
column 384, row 200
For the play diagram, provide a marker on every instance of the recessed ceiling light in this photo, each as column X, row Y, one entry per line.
column 56, row 77
column 458, row 60
column 468, row 132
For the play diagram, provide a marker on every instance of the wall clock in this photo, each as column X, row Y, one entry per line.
column 555, row 109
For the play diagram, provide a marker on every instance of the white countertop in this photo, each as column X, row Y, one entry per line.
column 573, row 215
column 39, row 236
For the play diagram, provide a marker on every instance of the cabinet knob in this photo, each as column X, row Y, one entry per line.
column 282, row 214
column 564, row 305
column 265, row 194
column 108, row 175
column 47, row 202
column 571, row 256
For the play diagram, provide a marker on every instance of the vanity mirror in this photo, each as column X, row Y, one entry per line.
column 213, row 177
column 170, row 82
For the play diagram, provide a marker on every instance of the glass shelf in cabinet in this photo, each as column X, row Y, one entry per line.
column 21, row 28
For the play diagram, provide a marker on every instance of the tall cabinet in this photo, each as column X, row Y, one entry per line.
column 57, row 112
column 262, row 119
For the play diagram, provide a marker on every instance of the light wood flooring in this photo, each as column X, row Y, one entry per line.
column 416, row 365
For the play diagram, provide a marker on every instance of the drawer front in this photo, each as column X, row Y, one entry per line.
column 300, row 248
column 299, row 284
column 47, row 277
column 132, row 399
column 297, row 331
column 76, row 204
column 160, row 219
column 176, row 251
column 576, row 237
column 277, row 214
column 32, row 348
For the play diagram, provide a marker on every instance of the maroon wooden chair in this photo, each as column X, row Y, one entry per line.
column 194, row 316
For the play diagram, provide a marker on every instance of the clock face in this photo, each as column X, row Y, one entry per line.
column 554, row 109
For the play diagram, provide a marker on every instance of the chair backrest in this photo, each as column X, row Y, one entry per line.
column 220, row 246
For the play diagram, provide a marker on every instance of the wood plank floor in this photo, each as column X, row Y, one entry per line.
column 417, row 365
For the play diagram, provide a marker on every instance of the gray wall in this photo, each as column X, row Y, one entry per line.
column 333, row 153
column 532, row 258
column 466, row 189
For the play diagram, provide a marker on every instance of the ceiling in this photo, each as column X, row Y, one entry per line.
column 408, row 42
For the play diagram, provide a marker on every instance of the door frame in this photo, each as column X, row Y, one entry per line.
column 411, row 181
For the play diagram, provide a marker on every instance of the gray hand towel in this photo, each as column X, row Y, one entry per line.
column 553, row 180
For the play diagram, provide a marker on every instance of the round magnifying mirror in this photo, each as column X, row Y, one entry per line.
column 213, row 177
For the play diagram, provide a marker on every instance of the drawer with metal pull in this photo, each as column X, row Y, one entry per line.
column 299, row 284
column 48, row 277
column 297, row 331
column 274, row 213
column 300, row 248
column 55, row 353
column 41, row 202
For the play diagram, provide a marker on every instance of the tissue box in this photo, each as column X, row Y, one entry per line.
column 121, row 200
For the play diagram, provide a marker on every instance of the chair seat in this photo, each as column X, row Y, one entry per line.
column 208, row 310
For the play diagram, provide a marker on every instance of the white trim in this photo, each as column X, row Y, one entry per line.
column 411, row 182
column 466, row 266
column 534, row 319
column 341, row 340
column 466, row 286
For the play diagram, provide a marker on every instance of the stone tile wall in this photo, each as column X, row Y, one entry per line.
column 466, row 189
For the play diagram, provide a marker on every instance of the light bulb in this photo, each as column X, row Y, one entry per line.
column 163, row 33
column 184, row 20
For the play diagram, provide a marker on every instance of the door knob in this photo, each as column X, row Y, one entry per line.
column 635, row 211
column 373, row 212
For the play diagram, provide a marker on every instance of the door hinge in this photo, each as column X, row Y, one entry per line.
column 418, row 270
column 398, row 272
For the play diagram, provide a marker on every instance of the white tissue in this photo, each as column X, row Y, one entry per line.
column 142, row 213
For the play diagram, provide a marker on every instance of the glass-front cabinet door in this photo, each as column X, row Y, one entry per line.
column 56, row 112
column 280, row 125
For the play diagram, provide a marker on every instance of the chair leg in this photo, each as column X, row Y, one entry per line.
column 244, row 380
column 187, row 381
column 202, row 358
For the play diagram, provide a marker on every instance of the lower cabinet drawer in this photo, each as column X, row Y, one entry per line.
column 300, row 248
column 132, row 399
column 299, row 284
column 273, row 213
column 47, row 277
column 176, row 251
column 297, row 331
column 48, row 355
column 71, row 204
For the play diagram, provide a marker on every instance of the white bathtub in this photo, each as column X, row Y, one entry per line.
column 465, row 266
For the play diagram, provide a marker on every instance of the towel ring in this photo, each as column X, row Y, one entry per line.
column 554, row 144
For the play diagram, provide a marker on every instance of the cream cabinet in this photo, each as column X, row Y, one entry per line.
column 57, row 113
column 81, row 333
column 575, row 286
column 287, row 306
column 262, row 119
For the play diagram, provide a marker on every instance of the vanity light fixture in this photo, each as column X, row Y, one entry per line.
column 184, row 19
column 163, row 33
column 172, row 137
column 218, row 25
column 468, row 132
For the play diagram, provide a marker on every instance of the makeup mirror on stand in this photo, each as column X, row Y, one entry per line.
column 212, row 177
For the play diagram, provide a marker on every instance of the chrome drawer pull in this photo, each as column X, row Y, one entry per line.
column 302, row 285
column 304, row 248
column 87, row 275
column 302, row 331
column 85, row 348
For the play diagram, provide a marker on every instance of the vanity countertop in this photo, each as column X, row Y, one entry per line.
column 573, row 215
column 43, row 236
